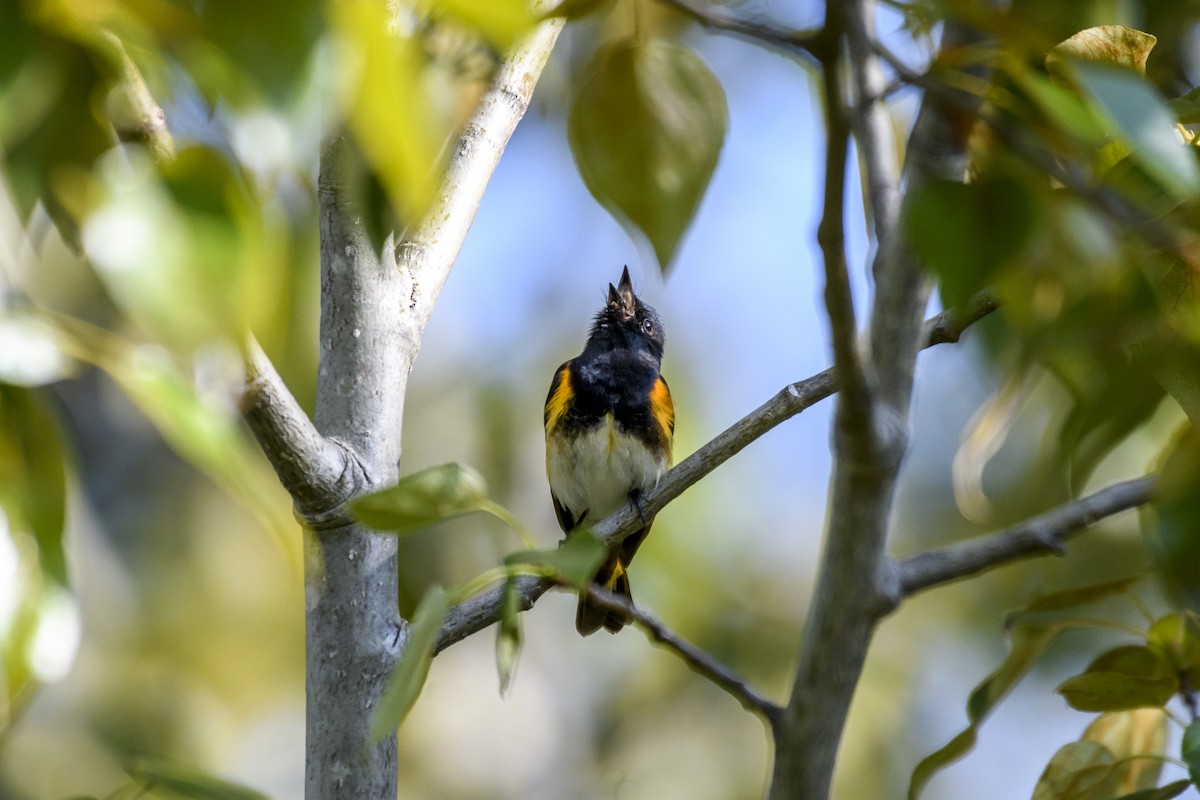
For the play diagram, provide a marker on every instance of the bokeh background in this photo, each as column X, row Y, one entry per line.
column 181, row 635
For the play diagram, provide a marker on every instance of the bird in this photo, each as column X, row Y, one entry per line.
column 610, row 424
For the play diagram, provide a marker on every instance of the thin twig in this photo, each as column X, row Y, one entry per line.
column 699, row 660
column 1046, row 533
column 789, row 41
column 482, row 610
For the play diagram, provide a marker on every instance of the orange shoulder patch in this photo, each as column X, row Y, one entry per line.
column 663, row 409
column 559, row 399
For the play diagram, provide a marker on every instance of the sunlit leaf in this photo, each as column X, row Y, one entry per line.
column 395, row 122
column 574, row 562
column 1028, row 642
column 1111, row 44
column 1116, row 691
column 1129, row 735
column 1161, row 793
column 1177, row 638
column 1144, row 122
column 1078, row 771
column 33, row 476
column 409, row 676
column 502, row 22
column 183, row 783
column 508, row 634
column 965, row 232
column 1070, row 598
column 646, row 129
column 422, row 499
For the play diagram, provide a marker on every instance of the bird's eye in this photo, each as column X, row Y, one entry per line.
column 647, row 325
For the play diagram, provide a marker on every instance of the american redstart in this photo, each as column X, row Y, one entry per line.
column 609, row 426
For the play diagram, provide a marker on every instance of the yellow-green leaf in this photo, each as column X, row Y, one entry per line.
column 1117, row 691
column 1082, row 770
column 1111, row 44
column 183, row 783
column 423, row 498
column 501, row 22
column 1130, row 735
column 413, row 667
column 574, row 562
column 646, row 129
column 508, row 634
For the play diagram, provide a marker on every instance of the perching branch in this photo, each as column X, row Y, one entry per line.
column 1046, row 533
column 696, row 658
column 482, row 610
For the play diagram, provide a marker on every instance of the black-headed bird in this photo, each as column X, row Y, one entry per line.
column 609, row 423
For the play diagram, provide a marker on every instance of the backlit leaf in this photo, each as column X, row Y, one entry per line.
column 501, row 22
column 508, row 633
column 1080, row 770
column 1111, row 44
column 1177, row 638
column 422, row 498
column 646, row 129
column 1129, row 735
column 1132, row 659
column 409, row 676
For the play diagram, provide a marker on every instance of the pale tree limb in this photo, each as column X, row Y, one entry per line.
column 1045, row 533
column 374, row 308
column 482, row 610
column 696, row 658
column 855, row 582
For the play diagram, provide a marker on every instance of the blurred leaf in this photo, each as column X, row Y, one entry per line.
column 1129, row 735
column 575, row 9
column 1176, row 637
column 646, row 129
column 187, row 784
column 1169, row 525
column 1069, row 598
column 1028, row 642
column 1144, row 122
column 422, row 499
column 387, row 106
column 255, row 49
column 964, row 232
column 1162, row 793
column 409, row 676
column 1116, row 691
column 502, row 22
column 1078, row 771
column 33, row 489
column 508, row 635
column 574, row 562
column 1187, row 107
column 31, row 352
column 1111, row 44
column 1189, row 750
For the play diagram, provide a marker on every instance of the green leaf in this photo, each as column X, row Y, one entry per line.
column 1187, row 107
column 1132, row 659
column 1169, row 525
column 187, row 784
column 1116, row 691
column 1080, row 770
column 501, row 22
column 1177, row 638
column 409, row 676
column 422, row 499
column 964, row 232
column 574, row 562
column 646, row 129
column 33, row 490
column 1161, row 793
column 1027, row 644
column 1110, row 44
column 1070, row 598
column 1141, row 119
column 1137, row 739
column 1189, row 750
column 508, row 635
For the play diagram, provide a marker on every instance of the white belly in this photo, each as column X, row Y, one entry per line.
column 597, row 471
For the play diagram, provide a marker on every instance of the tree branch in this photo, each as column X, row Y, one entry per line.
column 1046, row 533
column 482, row 610
column 699, row 660
column 789, row 41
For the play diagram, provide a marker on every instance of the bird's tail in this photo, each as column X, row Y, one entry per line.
column 591, row 617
